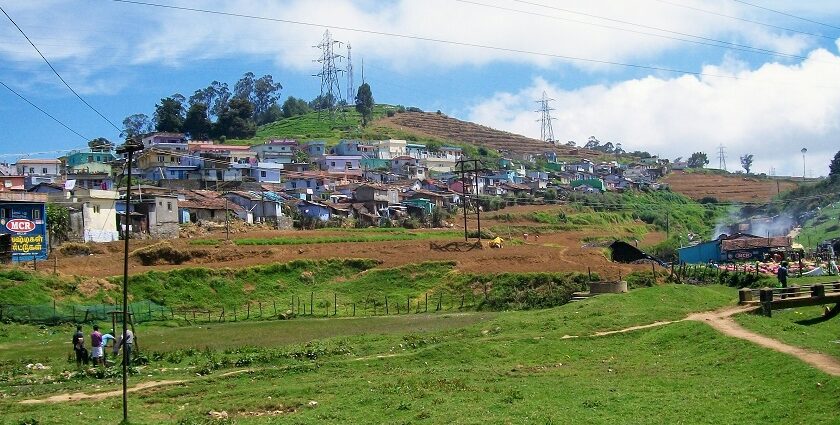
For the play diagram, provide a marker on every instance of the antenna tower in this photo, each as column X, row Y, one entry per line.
column 350, row 86
column 546, row 132
column 330, row 87
column 722, row 157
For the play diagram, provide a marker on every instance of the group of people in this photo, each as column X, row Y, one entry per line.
column 98, row 343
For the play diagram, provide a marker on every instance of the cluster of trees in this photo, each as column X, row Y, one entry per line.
column 594, row 144
column 214, row 111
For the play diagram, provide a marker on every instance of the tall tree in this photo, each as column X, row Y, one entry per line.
column 236, row 121
column 244, row 88
column 364, row 103
column 169, row 115
column 294, row 106
column 323, row 102
column 698, row 160
column 197, row 125
column 746, row 162
column 101, row 144
column 221, row 98
column 136, row 125
column 266, row 94
column 592, row 143
column 834, row 167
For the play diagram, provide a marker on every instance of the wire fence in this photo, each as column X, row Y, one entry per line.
column 310, row 305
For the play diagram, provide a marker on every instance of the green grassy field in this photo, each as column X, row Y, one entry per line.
column 791, row 326
column 510, row 367
column 826, row 225
column 361, row 236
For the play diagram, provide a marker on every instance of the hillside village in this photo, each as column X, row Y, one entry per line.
column 370, row 182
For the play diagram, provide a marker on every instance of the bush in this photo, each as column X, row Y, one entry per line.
column 73, row 248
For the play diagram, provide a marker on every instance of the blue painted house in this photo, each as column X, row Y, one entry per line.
column 701, row 253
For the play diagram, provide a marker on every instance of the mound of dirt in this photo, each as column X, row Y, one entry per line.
column 73, row 249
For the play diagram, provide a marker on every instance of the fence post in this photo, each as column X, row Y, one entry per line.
column 765, row 295
column 462, row 301
column 407, row 304
column 222, row 316
column 426, row 307
column 440, row 302
column 234, row 313
column 74, row 313
column 149, row 305
column 335, row 305
column 354, row 309
column 274, row 303
column 260, row 304
column 54, row 311
column 386, row 305
column 35, row 263
column 312, row 303
column 588, row 271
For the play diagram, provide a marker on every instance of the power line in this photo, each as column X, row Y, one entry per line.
column 43, row 111
column 790, row 15
column 436, row 40
column 735, row 46
column 722, row 157
column 56, row 72
column 750, row 21
column 710, row 41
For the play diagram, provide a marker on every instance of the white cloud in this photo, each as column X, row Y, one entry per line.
column 772, row 112
column 108, row 36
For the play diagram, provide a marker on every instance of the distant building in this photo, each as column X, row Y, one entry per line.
column 39, row 171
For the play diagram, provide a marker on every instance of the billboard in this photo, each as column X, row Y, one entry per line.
column 26, row 224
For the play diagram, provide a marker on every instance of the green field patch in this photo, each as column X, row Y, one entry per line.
column 790, row 326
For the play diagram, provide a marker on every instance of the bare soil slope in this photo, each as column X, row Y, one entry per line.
column 727, row 187
column 443, row 127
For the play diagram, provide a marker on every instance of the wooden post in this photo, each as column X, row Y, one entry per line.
column 274, row 304
column 427, row 299
column 234, row 313
column 311, row 303
column 260, row 304
column 248, row 314
column 407, row 304
column 35, row 263
column 54, row 312
column 335, row 305
column 222, row 316
column 462, row 301
column 149, row 306
column 589, row 272
column 74, row 313
column 652, row 273
column 354, row 309
column 440, row 302
column 386, row 305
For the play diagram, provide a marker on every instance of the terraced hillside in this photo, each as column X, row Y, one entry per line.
column 727, row 187
column 446, row 128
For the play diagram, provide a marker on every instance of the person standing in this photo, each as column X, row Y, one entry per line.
column 79, row 346
column 127, row 344
column 97, row 350
column 782, row 275
column 107, row 337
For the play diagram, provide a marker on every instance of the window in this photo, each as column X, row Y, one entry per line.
column 36, row 214
column 308, row 183
column 96, row 209
column 348, row 165
column 90, row 158
column 44, row 170
column 169, row 206
column 332, row 163
column 3, row 213
column 294, row 185
column 31, row 170
column 160, row 158
column 262, row 174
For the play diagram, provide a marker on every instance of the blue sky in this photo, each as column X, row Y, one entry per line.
column 122, row 58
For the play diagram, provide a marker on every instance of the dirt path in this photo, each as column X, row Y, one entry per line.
column 107, row 394
column 99, row 396
column 722, row 321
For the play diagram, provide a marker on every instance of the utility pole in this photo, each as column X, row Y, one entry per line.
column 464, row 198
column 128, row 148
column 546, row 131
column 227, row 221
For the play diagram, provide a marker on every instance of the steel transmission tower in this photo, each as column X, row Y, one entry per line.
column 330, row 87
column 351, row 96
column 722, row 157
column 546, row 132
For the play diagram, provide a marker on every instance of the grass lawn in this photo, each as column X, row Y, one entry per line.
column 512, row 367
column 823, row 337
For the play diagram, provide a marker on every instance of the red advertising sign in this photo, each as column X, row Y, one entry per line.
column 20, row 225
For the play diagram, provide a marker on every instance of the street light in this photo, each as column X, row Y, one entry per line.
column 804, row 151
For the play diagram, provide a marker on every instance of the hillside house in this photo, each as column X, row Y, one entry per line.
column 89, row 161
column 408, row 167
column 162, row 139
column 266, row 172
column 376, row 197
column 9, row 183
column 264, row 206
column 278, row 151
column 339, row 164
column 390, row 149
column 150, row 213
column 93, row 214
column 39, row 171
column 315, row 210
column 354, row 148
column 208, row 205
column 315, row 149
